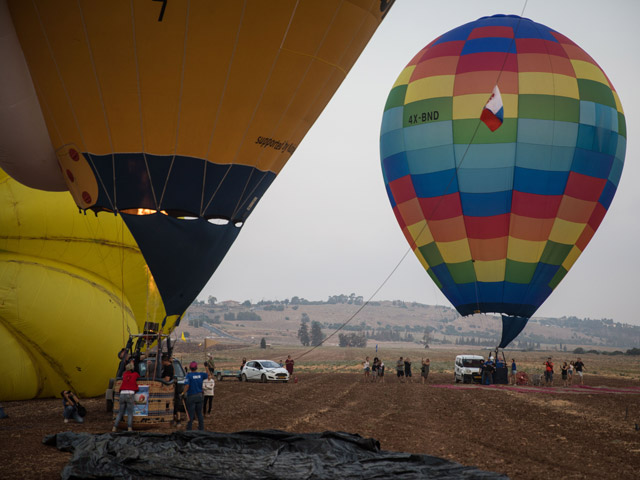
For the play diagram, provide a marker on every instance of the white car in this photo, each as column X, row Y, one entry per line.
column 468, row 368
column 264, row 371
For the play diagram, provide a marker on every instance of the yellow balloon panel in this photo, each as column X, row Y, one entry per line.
column 47, row 225
column 61, row 328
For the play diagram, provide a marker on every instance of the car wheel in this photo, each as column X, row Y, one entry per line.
column 455, row 377
column 263, row 378
column 219, row 377
column 243, row 378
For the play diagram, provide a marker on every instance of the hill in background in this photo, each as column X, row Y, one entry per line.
column 392, row 321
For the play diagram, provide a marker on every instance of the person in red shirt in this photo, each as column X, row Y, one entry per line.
column 127, row 391
column 548, row 372
column 288, row 363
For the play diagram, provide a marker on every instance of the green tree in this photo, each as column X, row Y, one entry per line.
column 212, row 300
column 317, row 337
column 426, row 338
column 263, row 343
column 303, row 334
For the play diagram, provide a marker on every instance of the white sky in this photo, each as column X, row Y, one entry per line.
column 326, row 227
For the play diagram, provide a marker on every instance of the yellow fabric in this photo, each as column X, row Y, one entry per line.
column 471, row 105
column 72, row 286
column 541, row 83
column 490, row 271
column 589, row 71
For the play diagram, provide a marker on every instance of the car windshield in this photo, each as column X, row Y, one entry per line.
column 270, row 364
column 472, row 362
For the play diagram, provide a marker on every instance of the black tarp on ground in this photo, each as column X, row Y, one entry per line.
column 268, row 454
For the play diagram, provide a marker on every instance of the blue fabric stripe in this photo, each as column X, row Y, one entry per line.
column 489, row 44
column 429, row 185
column 607, row 195
column 547, row 132
column 485, row 180
column 428, row 135
column 429, row 160
column 616, row 171
column 395, row 167
column 592, row 163
column 392, row 120
column 544, row 157
column 485, row 204
column 391, row 143
column 542, row 182
column 449, row 287
column 485, row 155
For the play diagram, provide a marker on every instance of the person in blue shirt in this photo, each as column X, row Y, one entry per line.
column 193, row 393
column 514, row 371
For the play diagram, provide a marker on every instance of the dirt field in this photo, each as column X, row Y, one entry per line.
column 538, row 434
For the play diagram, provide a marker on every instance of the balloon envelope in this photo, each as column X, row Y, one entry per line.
column 72, row 287
column 497, row 218
column 186, row 108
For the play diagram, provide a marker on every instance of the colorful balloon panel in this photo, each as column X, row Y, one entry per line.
column 188, row 108
column 498, row 218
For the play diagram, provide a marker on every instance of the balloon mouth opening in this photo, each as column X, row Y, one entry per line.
column 179, row 215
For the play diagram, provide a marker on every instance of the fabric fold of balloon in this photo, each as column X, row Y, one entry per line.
column 497, row 218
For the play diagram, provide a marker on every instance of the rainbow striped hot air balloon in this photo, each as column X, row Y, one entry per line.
column 497, row 216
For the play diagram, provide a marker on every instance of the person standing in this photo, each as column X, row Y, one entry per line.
column 128, row 389
column 381, row 371
column 407, row 369
column 424, row 371
column 70, row 404
column 564, row 369
column 514, row 371
column 548, row 372
column 579, row 367
column 366, row 369
column 210, row 365
column 288, row 364
column 375, row 366
column 487, row 372
column 193, row 392
column 400, row 369
column 570, row 373
column 208, row 386
column 167, row 368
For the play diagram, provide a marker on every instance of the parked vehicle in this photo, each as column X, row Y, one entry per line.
column 220, row 374
column 264, row 371
column 468, row 368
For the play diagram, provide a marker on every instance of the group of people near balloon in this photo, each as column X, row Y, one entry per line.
column 374, row 372
column 567, row 371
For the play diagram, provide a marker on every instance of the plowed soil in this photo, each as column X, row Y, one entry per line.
column 526, row 435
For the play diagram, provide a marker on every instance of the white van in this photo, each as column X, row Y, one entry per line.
column 468, row 368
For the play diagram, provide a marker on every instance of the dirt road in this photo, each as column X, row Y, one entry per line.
column 583, row 434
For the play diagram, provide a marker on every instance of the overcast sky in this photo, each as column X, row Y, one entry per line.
column 326, row 227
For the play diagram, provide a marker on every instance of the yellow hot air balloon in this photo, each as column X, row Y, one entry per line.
column 177, row 115
column 71, row 289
